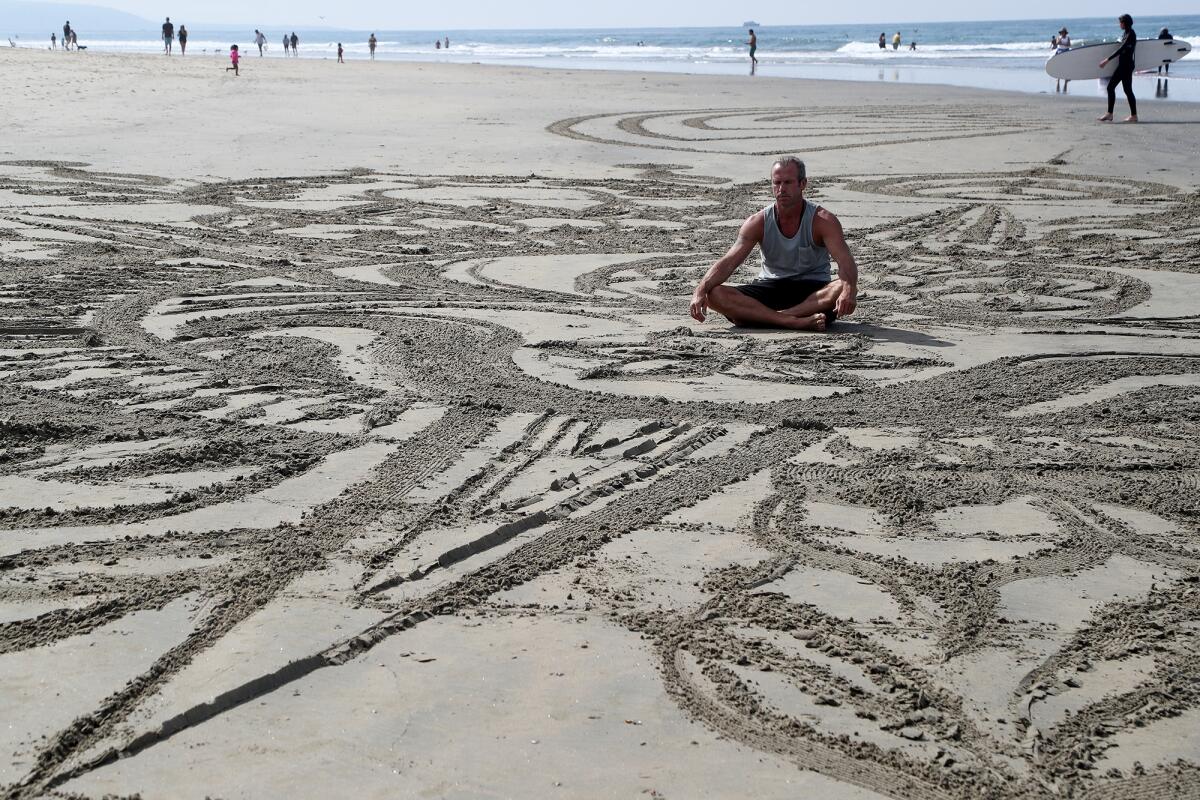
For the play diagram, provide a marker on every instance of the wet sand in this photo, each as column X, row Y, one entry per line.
column 355, row 437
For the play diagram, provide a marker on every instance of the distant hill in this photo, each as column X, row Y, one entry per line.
column 28, row 19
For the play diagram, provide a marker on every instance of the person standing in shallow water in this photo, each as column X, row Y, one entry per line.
column 1124, row 74
column 883, row 41
column 753, row 42
column 794, row 288
column 295, row 44
column 896, row 41
column 1165, row 34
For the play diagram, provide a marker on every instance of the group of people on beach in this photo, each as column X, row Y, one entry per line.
column 70, row 40
column 1060, row 43
column 896, row 39
column 168, row 36
column 1125, row 56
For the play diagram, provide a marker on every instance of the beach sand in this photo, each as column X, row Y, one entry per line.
column 356, row 440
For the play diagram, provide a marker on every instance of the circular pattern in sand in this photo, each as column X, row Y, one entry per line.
column 769, row 131
column 1038, row 185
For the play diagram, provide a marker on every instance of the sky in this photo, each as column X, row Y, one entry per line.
column 478, row 14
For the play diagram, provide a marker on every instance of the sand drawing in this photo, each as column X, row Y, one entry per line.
column 768, row 131
column 291, row 442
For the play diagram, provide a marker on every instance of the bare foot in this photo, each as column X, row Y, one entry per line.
column 810, row 322
column 1131, row 118
column 1105, row 118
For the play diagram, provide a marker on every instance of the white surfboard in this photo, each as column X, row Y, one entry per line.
column 1081, row 63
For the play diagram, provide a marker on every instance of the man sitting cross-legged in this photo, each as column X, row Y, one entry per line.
column 794, row 289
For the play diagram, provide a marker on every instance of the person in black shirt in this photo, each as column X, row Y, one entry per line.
column 168, row 36
column 1124, row 73
column 1165, row 34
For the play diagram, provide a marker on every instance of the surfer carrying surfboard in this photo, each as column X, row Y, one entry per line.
column 1124, row 73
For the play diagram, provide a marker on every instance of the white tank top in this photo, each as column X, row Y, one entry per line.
column 797, row 258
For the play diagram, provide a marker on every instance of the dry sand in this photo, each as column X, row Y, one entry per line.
column 356, row 441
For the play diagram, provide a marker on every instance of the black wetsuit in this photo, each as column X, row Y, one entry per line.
column 1124, row 73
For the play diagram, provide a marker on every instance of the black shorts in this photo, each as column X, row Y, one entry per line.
column 780, row 293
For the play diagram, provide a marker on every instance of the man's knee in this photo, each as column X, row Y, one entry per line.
column 828, row 293
column 720, row 296
column 721, row 300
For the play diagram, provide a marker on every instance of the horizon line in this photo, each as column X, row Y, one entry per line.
column 643, row 28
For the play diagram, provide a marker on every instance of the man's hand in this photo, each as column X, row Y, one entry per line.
column 846, row 300
column 1103, row 63
column 699, row 304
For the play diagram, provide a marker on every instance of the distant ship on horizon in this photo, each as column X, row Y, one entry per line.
column 751, row 24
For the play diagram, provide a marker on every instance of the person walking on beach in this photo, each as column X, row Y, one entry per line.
column 295, row 45
column 340, row 59
column 66, row 40
column 1124, row 73
column 75, row 40
column 753, row 42
column 371, row 45
column 234, row 55
column 260, row 39
column 182, row 40
column 53, row 41
column 1061, row 44
column 286, row 44
column 168, row 36
column 794, row 288
column 883, row 41
column 896, row 41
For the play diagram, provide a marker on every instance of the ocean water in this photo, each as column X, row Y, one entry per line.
column 995, row 55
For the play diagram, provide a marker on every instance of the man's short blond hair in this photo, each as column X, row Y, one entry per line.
column 783, row 161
